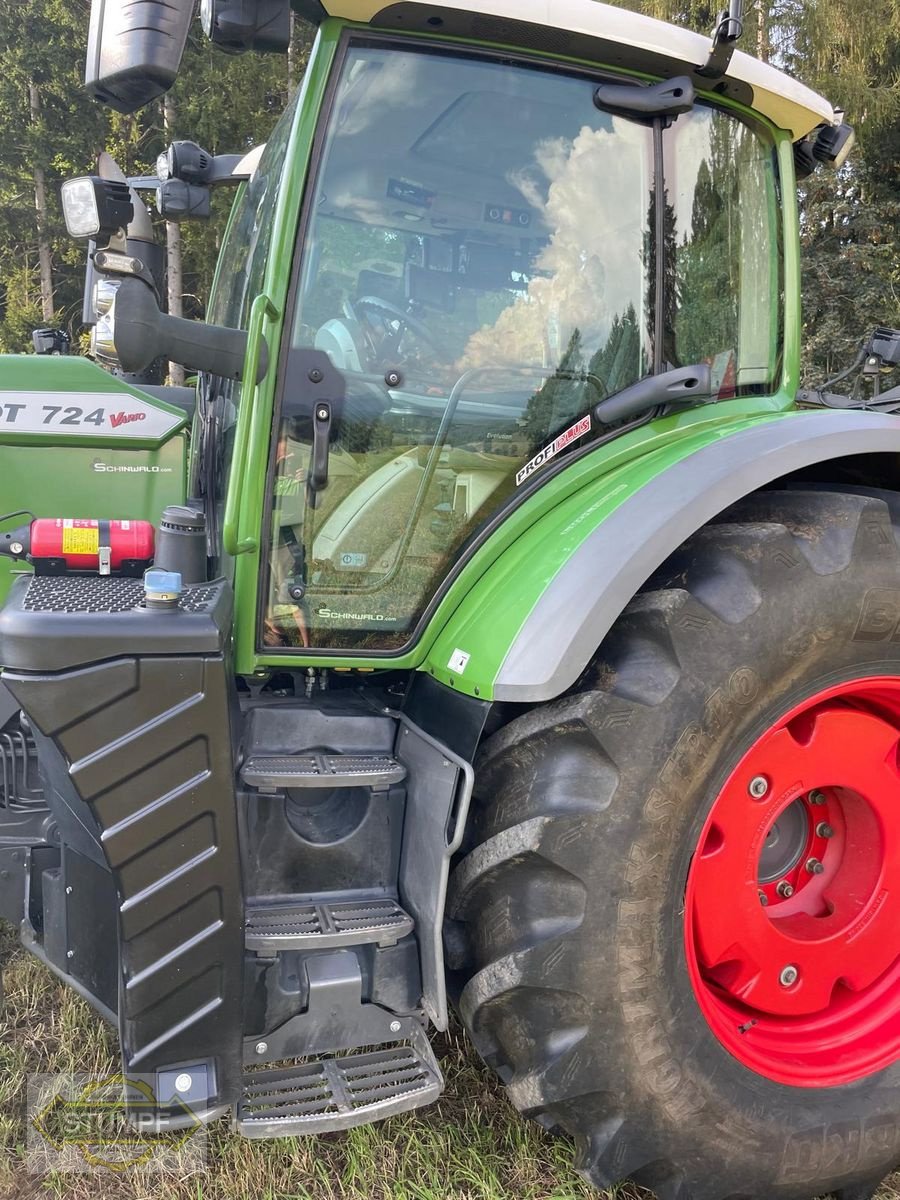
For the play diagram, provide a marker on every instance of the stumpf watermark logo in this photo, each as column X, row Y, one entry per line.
column 79, row 1123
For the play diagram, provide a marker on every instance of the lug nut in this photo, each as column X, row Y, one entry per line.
column 785, row 889
column 183, row 1082
column 789, row 976
column 262, row 1047
column 824, row 830
column 816, row 797
column 758, row 786
column 763, row 898
column 814, row 866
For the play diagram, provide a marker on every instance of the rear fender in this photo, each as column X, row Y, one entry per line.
column 534, row 620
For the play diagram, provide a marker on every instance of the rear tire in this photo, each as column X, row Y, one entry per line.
column 578, row 973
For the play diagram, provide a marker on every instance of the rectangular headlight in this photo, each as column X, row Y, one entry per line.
column 93, row 206
column 833, row 144
column 79, row 205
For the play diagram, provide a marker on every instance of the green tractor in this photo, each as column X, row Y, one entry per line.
column 516, row 637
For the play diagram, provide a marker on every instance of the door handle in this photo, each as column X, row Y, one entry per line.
column 318, row 462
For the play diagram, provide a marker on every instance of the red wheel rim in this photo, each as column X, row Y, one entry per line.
column 792, row 907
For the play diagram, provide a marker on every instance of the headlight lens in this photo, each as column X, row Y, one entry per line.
column 103, row 343
column 79, row 203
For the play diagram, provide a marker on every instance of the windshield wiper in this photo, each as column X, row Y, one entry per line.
column 681, row 385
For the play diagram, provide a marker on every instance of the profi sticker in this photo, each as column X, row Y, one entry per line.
column 579, row 429
column 459, row 660
column 84, row 414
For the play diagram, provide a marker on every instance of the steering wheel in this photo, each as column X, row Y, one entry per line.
column 395, row 320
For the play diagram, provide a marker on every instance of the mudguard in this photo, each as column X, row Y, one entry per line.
column 568, row 579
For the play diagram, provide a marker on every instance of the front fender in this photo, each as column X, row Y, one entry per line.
column 560, row 587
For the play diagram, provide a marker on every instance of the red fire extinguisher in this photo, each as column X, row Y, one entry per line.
column 60, row 545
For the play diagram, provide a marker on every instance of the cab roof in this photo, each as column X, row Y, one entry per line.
column 613, row 37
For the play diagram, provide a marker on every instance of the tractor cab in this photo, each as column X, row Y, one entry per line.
column 491, row 252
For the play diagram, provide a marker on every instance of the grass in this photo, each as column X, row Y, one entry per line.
column 469, row 1146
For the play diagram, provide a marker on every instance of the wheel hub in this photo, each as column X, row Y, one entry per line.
column 784, row 843
column 792, row 909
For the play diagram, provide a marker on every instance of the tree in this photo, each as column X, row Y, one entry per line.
column 850, row 221
column 51, row 130
column 44, row 133
column 850, row 51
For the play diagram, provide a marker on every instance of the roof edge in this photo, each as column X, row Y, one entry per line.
column 611, row 36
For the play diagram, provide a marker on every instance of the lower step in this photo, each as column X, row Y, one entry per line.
column 320, row 926
column 337, row 1093
column 322, row 771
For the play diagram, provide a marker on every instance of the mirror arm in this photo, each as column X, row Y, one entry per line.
column 143, row 333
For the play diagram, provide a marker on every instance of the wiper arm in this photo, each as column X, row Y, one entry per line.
column 668, row 98
column 682, row 385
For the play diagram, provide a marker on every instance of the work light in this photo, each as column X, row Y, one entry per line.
column 833, row 144
column 103, row 333
column 93, row 206
column 180, row 201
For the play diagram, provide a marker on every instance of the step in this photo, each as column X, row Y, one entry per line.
column 339, row 1092
column 322, row 771
column 319, row 926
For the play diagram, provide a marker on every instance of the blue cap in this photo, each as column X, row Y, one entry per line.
column 162, row 583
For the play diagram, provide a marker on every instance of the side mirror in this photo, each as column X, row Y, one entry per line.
column 237, row 26
column 143, row 333
column 135, row 50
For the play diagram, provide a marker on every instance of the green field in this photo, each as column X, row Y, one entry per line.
column 469, row 1146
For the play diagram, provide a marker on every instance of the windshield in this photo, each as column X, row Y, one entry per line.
column 480, row 266
column 455, row 196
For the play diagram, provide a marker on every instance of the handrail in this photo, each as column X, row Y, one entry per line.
column 232, row 541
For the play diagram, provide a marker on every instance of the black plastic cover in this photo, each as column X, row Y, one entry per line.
column 51, row 623
column 135, row 48
column 146, row 741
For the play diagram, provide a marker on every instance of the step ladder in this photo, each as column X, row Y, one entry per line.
column 321, row 924
column 338, row 1092
column 287, row 771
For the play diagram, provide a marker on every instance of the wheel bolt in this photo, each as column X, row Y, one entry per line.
column 763, row 898
column 824, row 830
column 816, row 797
column 789, row 976
column 262, row 1047
column 814, row 866
column 758, row 786
column 785, row 889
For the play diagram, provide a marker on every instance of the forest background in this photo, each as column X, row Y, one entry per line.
column 50, row 131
